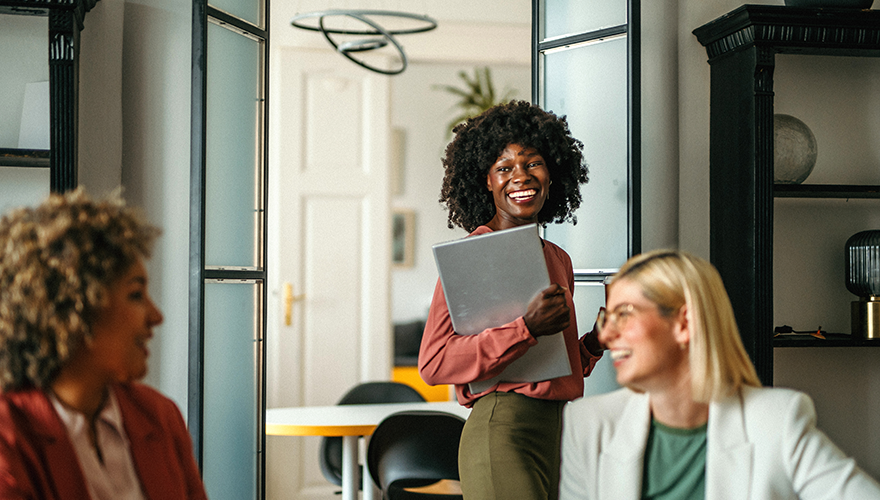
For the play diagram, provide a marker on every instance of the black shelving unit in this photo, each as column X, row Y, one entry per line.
column 65, row 24
column 741, row 48
column 830, row 340
column 841, row 191
column 38, row 158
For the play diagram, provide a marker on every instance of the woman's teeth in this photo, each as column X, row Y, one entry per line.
column 523, row 194
column 620, row 354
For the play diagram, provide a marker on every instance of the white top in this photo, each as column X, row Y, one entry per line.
column 344, row 420
column 115, row 478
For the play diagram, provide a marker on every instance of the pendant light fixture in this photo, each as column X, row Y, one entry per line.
column 375, row 35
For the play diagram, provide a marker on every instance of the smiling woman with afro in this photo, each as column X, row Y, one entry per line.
column 480, row 140
column 514, row 165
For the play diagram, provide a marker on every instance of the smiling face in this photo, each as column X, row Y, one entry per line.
column 118, row 350
column 519, row 181
column 644, row 344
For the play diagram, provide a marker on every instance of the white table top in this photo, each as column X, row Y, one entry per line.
column 344, row 420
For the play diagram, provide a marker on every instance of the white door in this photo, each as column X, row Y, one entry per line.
column 329, row 224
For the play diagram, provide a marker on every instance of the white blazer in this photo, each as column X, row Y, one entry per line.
column 761, row 444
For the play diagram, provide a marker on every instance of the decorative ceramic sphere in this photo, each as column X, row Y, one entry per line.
column 794, row 150
column 838, row 4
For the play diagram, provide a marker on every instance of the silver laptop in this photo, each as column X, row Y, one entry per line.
column 488, row 281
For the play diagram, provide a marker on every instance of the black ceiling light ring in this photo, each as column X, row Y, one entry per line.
column 430, row 23
column 362, row 45
column 380, row 37
column 387, row 36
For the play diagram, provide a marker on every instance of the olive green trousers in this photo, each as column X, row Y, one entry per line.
column 510, row 448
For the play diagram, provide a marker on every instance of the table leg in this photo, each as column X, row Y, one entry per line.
column 371, row 492
column 350, row 467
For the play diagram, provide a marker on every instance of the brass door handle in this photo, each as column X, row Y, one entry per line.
column 289, row 298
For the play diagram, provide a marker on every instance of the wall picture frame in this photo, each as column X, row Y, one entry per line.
column 403, row 238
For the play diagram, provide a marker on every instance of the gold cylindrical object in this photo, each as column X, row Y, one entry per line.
column 866, row 318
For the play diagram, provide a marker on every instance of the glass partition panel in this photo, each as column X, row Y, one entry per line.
column 20, row 186
column 248, row 10
column 568, row 17
column 232, row 356
column 588, row 298
column 588, row 84
column 233, row 211
column 24, row 103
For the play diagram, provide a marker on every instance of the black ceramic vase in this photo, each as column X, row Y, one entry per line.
column 863, row 279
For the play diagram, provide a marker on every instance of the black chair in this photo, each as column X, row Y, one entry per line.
column 413, row 449
column 366, row 393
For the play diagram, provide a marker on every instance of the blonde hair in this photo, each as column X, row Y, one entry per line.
column 671, row 279
column 56, row 262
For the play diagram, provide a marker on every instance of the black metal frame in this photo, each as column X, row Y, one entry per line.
column 65, row 23
column 742, row 46
column 199, row 272
column 632, row 31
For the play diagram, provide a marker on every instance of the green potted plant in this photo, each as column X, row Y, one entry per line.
column 477, row 96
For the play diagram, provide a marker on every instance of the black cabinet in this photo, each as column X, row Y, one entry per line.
column 741, row 47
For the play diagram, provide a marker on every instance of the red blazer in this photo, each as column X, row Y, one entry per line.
column 37, row 459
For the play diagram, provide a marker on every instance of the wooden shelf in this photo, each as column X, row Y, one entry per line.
column 831, row 340
column 844, row 191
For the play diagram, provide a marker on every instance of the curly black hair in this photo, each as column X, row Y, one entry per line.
column 56, row 262
column 480, row 140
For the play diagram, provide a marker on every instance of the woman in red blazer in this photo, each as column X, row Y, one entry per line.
column 75, row 321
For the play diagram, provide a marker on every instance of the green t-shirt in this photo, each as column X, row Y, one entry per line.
column 675, row 463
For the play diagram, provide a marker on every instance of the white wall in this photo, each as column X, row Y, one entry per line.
column 134, row 124
column 842, row 381
column 660, row 115
column 156, row 87
column 100, row 98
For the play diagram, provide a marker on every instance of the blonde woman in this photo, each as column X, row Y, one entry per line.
column 692, row 421
column 76, row 319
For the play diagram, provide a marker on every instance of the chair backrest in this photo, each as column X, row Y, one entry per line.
column 415, row 447
column 366, row 393
column 381, row 392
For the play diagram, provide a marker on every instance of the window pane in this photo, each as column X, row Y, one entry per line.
column 20, row 186
column 232, row 212
column 588, row 298
column 231, row 401
column 568, row 17
column 588, row 85
column 249, row 10
column 24, row 102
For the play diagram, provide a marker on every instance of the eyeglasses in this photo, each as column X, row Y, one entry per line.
column 616, row 318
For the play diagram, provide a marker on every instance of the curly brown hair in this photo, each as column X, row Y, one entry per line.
column 56, row 263
column 480, row 140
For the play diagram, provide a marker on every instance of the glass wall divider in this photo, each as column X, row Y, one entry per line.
column 227, row 299
column 586, row 66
